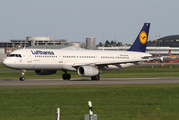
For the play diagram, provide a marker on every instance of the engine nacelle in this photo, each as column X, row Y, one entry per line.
column 45, row 72
column 88, row 71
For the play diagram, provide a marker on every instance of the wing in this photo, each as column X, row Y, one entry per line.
column 135, row 61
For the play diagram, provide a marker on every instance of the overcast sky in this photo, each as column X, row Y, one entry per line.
column 70, row 19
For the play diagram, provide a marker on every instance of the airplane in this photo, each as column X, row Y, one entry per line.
column 87, row 63
column 174, row 57
column 168, row 57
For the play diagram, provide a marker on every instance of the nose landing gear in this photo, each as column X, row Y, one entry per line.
column 22, row 78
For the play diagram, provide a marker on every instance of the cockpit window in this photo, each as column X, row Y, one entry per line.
column 11, row 55
column 14, row 55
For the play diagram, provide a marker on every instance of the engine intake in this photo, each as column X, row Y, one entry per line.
column 88, row 71
column 45, row 72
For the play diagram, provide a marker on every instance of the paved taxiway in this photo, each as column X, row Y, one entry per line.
column 103, row 81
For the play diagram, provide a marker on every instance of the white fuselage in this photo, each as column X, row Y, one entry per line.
column 56, row 59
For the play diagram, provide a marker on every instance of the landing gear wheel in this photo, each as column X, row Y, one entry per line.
column 97, row 77
column 92, row 77
column 66, row 76
column 22, row 78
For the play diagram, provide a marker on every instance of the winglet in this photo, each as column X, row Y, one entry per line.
column 141, row 41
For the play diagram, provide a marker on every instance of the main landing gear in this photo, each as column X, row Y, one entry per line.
column 66, row 76
column 97, row 77
column 22, row 78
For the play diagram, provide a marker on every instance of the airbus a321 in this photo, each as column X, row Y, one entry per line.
column 88, row 63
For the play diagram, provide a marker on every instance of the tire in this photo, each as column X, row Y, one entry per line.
column 95, row 77
column 68, row 76
column 22, row 78
column 64, row 76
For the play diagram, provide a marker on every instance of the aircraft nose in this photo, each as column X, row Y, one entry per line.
column 6, row 62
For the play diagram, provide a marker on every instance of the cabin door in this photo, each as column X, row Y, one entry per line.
column 29, row 57
column 60, row 57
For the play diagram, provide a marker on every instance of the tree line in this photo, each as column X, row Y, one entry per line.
column 110, row 44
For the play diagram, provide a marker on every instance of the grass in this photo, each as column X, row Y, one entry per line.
column 2, row 67
column 144, row 72
column 110, row 102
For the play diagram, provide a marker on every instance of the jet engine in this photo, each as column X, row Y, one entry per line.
column 88, row 71
column 45, row 72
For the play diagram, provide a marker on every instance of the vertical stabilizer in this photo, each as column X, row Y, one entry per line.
column 169, row 53
column 140, row 43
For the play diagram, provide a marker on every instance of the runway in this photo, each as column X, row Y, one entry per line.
column 103, row 81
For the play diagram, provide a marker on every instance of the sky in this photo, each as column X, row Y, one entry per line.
column 75, row 20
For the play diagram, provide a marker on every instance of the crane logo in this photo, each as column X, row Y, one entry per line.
column 143, row 37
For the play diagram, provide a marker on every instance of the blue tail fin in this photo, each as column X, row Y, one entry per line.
column 140, row 43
